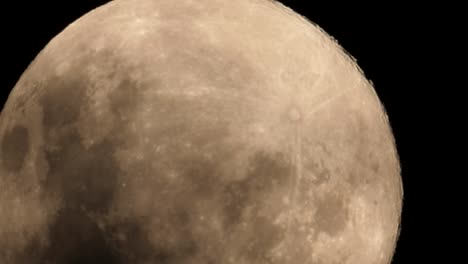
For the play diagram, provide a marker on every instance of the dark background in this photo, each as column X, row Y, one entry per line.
column 385, row 40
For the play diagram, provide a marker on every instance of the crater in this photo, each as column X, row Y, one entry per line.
column 15, row 147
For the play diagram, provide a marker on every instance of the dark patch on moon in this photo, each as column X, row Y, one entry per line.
column 124, row 98
column 75, row 238
column 63, row 100
column 265, row 236
column 366, row 162
column 268, row 173
column 85, row 179
column 15, row 147
column 198, row 179
column 374, row 162
column 127, row 234
column 201, row 176
column 331, row 216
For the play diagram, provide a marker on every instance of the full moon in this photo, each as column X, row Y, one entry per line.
column 196, row 131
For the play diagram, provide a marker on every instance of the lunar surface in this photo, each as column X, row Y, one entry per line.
column 196, row 131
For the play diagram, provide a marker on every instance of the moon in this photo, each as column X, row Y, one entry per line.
column 206, row 131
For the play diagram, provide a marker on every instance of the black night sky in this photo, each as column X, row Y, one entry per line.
column 382, row 37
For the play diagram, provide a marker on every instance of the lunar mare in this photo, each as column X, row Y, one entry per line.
column 206, row 131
